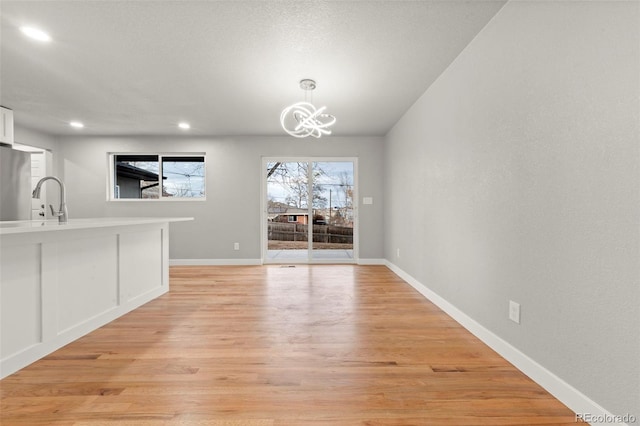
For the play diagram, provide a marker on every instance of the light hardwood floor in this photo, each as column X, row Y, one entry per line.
column 270, row 345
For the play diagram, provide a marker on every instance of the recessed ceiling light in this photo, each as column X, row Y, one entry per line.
column 76, row 124
column 35, row 34
column 184, row 125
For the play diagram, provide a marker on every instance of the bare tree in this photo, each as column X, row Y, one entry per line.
column 180, row 179
column 346, row 189
column 293, row 177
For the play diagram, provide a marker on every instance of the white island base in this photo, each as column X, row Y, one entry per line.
column 59, row 282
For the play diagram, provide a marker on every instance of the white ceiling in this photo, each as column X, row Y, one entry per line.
column 227, row 67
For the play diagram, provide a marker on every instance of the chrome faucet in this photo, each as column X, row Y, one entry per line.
column 62, row 213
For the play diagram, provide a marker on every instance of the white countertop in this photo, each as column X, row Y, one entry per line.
column 22, row 226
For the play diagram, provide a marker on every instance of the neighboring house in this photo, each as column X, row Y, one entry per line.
column 293, row 215
column 134, row 182
column 281, row 212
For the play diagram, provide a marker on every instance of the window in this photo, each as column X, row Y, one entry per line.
column 293, row 218
column 157, row 176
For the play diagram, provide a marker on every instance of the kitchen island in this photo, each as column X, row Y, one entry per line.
column 59, row 282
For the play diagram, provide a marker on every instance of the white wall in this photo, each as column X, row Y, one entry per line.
column 34, row 138
column 516, row 177
column 231, row 212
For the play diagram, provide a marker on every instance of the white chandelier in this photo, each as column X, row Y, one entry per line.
column 302, row 119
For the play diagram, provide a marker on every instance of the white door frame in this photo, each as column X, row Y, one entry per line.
column 264, row 215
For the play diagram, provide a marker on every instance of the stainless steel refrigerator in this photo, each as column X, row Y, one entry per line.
column 15, row 184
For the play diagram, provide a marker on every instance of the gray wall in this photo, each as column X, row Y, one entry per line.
column 231, row 212
column 515, row 177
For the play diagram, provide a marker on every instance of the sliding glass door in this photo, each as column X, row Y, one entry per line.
column 287, row 211
column 309, row 210
column 334, row 214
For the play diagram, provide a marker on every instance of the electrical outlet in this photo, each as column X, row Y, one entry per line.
column 514, row 311
column 236, row 246
column 398, row 253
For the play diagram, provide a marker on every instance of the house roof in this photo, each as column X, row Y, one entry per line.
column 296, row 211
column 129, row 171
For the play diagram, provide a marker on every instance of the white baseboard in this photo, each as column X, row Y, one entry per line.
column 214, row 262
column 372, row 261
column 223, row 262
column 564, row 392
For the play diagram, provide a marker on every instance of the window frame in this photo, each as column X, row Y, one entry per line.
column 111, row 176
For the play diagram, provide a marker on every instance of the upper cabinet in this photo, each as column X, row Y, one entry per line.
column 6, row 126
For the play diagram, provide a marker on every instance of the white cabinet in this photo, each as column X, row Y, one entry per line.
column 60, row 282
column 6, row 126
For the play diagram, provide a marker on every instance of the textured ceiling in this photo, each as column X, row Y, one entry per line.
column 227, row 67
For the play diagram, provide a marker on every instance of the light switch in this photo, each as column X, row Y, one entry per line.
column 367, row 200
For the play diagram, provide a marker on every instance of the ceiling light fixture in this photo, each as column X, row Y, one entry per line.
column 302, row 119
column 76, row 124
column 35, row 34
column 184, row 125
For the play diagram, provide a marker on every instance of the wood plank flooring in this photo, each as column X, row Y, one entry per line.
column 270, row 345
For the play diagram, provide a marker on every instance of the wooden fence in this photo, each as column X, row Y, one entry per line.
column 321, row 233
